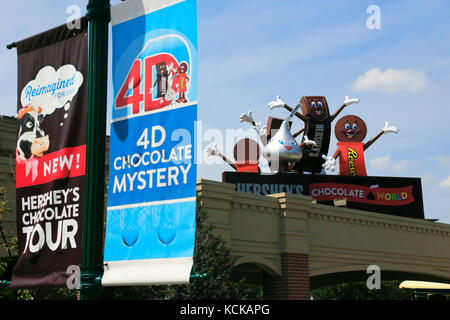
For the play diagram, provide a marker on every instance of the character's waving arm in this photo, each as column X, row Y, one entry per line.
column 280, row 104
column 346, row 102
column 247, row 117
column 295, row 135
column 259, row 128
column 386, row 129
column 330, row 162
column 307, row 142
column 214, row 151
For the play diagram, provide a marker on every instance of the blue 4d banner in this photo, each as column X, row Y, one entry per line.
column 150, row 230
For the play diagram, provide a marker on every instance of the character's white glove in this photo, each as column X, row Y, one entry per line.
column 212, row 150
column 330, row 163
column 348, row 101
column 388, row 129
column 276, row 104
column 246, row 117
column 260, row 129
column 309, row 142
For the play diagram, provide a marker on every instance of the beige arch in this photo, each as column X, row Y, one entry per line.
column 271, row 268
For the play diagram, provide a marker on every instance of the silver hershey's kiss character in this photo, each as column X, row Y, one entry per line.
column 282, row 151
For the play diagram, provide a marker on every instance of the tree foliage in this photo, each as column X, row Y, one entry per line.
column 358, row 291
column 7, row 263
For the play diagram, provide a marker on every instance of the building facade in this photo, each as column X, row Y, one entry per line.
column 288, row 244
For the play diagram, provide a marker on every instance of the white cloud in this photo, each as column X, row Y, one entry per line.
column 443, row 160
column 391, row 80
column 445, row 183
column 386, row 163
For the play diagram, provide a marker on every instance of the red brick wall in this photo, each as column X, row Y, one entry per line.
column 294, row 281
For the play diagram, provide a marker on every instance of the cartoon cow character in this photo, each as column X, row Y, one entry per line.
column 317, row 119
column 31, row 140
column 282, row 151
column 350, row 131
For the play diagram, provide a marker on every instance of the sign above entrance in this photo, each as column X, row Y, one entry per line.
column 391, row 195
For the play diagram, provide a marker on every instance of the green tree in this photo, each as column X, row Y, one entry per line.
column 4, row 208
column 6, row 264
column 358, row 291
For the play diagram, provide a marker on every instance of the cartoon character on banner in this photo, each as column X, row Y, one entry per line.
column 246, row 153
column 317, row 120
column 164, row 83
column 350, row 131
column 281, row 150
column 31, row 141
column 162, row 79
column 180, row 82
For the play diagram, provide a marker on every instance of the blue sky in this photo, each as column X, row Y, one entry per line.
column 250, row 51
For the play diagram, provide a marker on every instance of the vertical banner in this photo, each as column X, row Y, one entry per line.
column 150, row 231
column 50, row 154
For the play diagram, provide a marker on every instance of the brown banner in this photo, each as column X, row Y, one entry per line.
column 50, row 155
